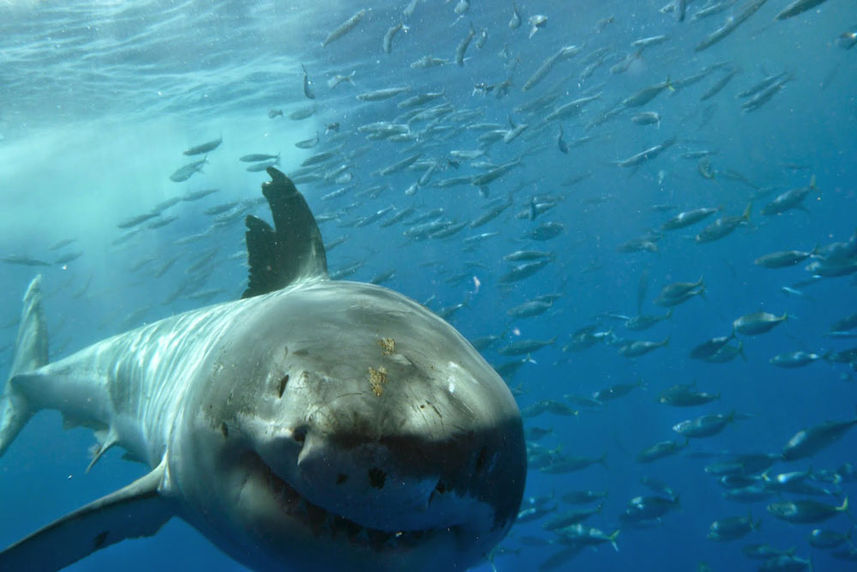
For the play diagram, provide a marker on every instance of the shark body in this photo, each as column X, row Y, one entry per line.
column 313, row 424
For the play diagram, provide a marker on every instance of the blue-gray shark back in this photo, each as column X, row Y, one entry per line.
column 313, row 424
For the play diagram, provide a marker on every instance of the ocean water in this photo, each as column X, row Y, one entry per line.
column 100, row 99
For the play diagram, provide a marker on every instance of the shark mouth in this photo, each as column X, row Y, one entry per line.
column 323, row 523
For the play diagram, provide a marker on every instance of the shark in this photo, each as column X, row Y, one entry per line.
column 312, row 424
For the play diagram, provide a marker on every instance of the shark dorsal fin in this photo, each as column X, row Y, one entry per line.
column 290, row 251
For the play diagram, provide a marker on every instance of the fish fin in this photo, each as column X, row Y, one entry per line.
column 105, row 441
column 135, row 510
column 290, row 251
column 31, row 352
column 612, row 537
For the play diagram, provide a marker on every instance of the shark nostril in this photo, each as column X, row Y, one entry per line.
column 377, row 477
column 481, row 459
column 341, row 478
column 281, row 388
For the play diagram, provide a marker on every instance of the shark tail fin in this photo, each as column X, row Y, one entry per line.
column 31, row 352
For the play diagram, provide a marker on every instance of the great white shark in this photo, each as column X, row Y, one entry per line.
column 313, row 424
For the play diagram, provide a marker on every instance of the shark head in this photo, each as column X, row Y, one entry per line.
column 350, row 427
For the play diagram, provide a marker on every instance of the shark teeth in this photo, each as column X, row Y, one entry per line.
column 323, row 523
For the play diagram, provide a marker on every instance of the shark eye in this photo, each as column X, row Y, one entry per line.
column 299, row 434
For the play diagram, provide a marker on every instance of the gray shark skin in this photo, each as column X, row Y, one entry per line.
column 314, row 424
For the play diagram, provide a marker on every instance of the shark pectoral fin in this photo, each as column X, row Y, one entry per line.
column 292, row 249
column 131, row 512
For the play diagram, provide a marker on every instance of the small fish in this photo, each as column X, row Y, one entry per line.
column 262, row 165
column 187, row 171
column 523, row 347
column 641, row 347
column 723, row 226
column 204, row 148
column 515, row 19
column 461, row 7
column 537, row 22
column 647, row 118
column 63, row 243
column 461, row 49
column 583, row 497
column 387, row 43
column 791, row 199
column 529, row 309
column 545, row 231
column 561, row 144
column 318, row 158
column 647, row 94
column 645, row 509
column 732, row 528
column 642, row 322
column 809, row 441
column 757, row 323
column 337, row 79
column 382, row 94
column 565, row 465
column 23, row 260
column 731, row 24
column 307, row 143
column 679, row 292
column 548, row 64
column 646, row 154
column 704, row 426
column 823, row 538
column 344, row 28
column 783, row 258
column 660, row 450
column 795, row 359
column 254, row 157
column 687, row 218
column 615, row 391
column 302, row 113
column 307, row 84
column 196, row 195
column 428, row 61
column 805, row 511
column 719, row 85
column 685, row 395
column 797, row 7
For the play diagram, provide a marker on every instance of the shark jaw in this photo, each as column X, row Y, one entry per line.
column 282, row 521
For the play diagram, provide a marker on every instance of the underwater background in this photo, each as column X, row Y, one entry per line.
column 578, row 129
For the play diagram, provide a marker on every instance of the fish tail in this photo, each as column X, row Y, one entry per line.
column 612, row 537
column 31, row 352
column 844, row 506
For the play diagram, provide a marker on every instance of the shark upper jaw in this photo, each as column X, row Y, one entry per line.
column 362, row 496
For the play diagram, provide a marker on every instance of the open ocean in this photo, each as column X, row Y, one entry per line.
column 619, row 132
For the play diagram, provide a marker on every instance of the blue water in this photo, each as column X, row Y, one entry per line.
column 99, row 99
